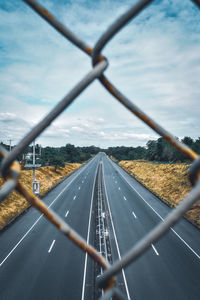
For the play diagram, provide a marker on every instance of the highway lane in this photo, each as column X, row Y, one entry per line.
column 183, row 229
column 170, row 269
column 36, row 260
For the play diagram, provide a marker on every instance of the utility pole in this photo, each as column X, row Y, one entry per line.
column 33, row 162
column 10, row 144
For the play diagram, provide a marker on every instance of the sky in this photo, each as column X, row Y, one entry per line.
column 154, row 61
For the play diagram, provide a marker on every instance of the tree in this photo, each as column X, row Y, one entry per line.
column 57, row 161
column 196, row 145
column 165, row 152
column 151, row 152
column 188, row 141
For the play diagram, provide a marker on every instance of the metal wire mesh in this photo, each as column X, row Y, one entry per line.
column 10, row 169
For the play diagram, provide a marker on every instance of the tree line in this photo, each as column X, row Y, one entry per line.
column 155, row 150
column 56, row 156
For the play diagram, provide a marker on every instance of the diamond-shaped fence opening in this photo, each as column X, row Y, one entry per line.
column 10, row 169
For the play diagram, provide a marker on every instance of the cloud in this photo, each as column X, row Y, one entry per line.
column 9, row 122
column 154, row 61
column 7, row 117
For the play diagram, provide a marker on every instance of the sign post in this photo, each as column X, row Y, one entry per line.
column 36, row 184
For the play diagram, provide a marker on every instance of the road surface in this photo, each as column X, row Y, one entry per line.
column 38, row 262
column 170, row 269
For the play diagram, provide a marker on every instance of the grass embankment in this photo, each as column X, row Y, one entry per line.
column 15, row 204
column 170, row 182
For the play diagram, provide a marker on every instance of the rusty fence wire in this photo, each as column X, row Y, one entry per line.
column 10, row 168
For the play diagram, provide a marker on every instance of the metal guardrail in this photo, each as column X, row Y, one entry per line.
column 10, row 169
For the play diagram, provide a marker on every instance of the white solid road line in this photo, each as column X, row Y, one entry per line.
column 198, row 256
column 88, row 237
column 51, row 246
column 134, row 215
column 115, row 237
column 68, row 185
column 66, row 214
column 124, row 198
column 74, row 198
column 185, row 242
column 154, row 249
column 20, row 240
column 79, row 172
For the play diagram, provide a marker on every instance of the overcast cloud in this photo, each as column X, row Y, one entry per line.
column 154, row 60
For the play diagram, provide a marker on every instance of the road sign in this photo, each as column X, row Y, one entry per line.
column 32, row 166
column 36, row 187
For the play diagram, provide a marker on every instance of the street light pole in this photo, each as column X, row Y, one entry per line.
column 33, row 162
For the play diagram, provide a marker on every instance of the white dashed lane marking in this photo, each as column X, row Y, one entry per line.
column 52, row 244
column 154, row 249
column 134, row 215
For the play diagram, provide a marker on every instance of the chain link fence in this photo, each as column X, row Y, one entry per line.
column 10, row 168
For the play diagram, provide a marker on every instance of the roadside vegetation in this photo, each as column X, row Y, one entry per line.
column 155, row 150
column 56, row 156
column 170, row 182
column 158, row 165
column 48, row 176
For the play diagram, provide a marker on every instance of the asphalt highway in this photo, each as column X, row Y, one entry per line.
column 38, row 262
column 170, row 269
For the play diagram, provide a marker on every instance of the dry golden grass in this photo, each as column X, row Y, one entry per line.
column 15, row 204
column 170, row 182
